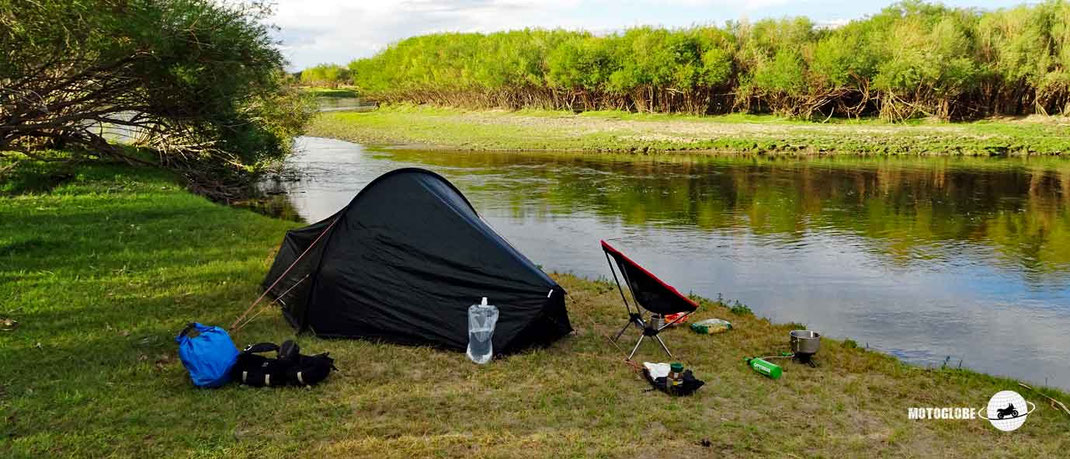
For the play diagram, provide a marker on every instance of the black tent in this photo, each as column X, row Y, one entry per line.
column 403, row 261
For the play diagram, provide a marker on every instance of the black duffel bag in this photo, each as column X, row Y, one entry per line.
column 288, row 367
column 310, row 369
column 253, row 369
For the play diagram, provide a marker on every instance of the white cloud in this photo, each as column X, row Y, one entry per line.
column 316, row 31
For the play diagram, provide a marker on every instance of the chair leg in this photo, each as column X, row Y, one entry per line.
column 663, row 346
column 636, row 348
column 622, row 330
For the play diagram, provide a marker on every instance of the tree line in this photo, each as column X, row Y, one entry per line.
column 913, row 59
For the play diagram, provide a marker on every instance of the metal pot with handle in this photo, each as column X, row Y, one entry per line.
column 805, row 342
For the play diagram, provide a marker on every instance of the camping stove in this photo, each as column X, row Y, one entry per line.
column 804, row 344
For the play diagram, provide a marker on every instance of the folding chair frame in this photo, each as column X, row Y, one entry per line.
column 636, row 318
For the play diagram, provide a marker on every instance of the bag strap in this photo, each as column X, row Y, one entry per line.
column 259, row 348
column 289, row 351
column 195, row 325
column 183, row 335
column 189, row 327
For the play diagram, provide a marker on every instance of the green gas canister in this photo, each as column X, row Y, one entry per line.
column 764, row 367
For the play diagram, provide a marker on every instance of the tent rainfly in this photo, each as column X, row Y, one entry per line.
column 402, row 262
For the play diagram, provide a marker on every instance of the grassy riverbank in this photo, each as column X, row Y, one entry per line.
column 102, row 265
column 610, row 131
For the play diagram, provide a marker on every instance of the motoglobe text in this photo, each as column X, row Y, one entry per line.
column 942, row 413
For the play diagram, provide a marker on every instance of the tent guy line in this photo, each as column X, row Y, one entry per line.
column 234, row 326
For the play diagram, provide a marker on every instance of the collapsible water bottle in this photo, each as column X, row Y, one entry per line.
column 481, row 320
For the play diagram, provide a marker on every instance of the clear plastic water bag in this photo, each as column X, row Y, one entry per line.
column 481, row 321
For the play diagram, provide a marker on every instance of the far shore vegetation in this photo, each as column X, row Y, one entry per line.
column 625, row 132
column 916, row 78
column 102, row 263
column 911, row 60
column 329, row 76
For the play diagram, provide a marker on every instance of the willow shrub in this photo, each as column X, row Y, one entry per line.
column 198, row 82
column 912, row 59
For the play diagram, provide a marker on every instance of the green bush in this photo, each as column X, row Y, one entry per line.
column 911, row 59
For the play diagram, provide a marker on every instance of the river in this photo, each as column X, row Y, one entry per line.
column 933, row 260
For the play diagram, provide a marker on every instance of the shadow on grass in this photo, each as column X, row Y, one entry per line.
column 33, row 177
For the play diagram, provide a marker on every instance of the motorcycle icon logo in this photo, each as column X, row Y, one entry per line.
column 1010, row 410
column 1007, row 410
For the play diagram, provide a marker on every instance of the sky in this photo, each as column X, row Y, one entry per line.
column 338, row 31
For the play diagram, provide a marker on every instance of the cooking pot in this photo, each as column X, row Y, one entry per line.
column 805, row 342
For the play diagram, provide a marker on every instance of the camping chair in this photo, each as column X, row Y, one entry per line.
column 649, row 293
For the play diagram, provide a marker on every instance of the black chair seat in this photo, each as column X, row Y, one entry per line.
column 649, row 293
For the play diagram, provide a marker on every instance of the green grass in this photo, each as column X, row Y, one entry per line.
column 105, row 267
column 615, row 131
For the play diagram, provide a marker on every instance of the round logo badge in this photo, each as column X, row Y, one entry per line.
column 1007, row 410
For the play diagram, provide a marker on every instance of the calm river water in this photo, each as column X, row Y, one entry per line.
column 920, row 258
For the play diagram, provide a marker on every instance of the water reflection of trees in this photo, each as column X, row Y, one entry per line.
column 909, row 207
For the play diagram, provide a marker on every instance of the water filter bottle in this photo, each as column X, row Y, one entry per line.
column 481, row 320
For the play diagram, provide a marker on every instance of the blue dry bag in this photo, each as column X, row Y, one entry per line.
column 207, row 356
